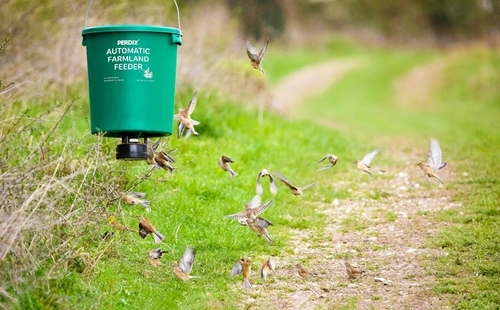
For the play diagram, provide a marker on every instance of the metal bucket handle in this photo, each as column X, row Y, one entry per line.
column 176, row 6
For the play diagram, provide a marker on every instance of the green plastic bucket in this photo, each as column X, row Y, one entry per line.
column 131, row 78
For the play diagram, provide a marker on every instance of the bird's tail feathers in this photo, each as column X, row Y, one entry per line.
column 158, row 237
column 247, row 284
column 439, row 179
column 269, row 240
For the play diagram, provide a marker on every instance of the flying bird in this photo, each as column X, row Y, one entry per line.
column 252, row 209
column 243, row 265
column 250, row 217
column 267, row 266
column 154, row 256
column 304, row 272
column 185, row 120
column 146, row 228
column 163, row 161
column 224, row 164
column 183, row 267
column 159, row 159
column 434, row 161
column 332, row 159
column 259, row 190
column 151, row 149
column 364, row 164
column 293, row 189
column 353, row 272
column 136, row 198
column 257, row 58
column 259, row 226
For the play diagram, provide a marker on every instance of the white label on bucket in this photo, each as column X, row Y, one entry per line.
column 128, row 55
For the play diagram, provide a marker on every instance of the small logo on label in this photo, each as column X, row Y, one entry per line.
column 127, row 42
column 148, row 74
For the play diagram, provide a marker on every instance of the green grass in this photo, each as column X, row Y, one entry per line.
column 465, row 118
column 297, row 58
column 189, row 206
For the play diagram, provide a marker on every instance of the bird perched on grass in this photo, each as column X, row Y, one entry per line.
column 224, row 164
column 331, row 158
column 259, row 190
column 136, row 198
column 185, row 120
column 304, row 272
column 146, row 228
column 269, row 265
column 364, row 164
column 183, row 267
column 243, row 265
column 154, row 256
column 293, row 189
column 353, row 272
column 434, row 161
column 257, row 58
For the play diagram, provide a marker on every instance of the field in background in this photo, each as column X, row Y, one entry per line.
column 398, row 97
column 402, row 98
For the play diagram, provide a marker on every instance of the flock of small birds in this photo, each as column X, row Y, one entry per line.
column 250, row 216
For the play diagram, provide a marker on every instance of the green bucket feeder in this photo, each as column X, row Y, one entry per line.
column 131, row 76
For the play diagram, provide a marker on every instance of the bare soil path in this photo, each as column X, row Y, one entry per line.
column 384, row 229
column 310, row 81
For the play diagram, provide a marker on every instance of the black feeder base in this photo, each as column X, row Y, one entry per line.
column 134, row 151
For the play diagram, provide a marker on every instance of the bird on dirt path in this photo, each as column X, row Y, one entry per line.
column 257, row 58
column 146, row 228
column 185, row 120
column 364, row 164
column 243, row 265
column 267, row 266
column 183, row 267
column 304, row 273
column 154, row 256
column 293, row 189
column 434, row 161
column 353, row 272
column 273, row 188
column 224, row 164
column 331, row 158
column 136, row 198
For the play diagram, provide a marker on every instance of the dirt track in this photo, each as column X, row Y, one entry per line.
column 384, row 230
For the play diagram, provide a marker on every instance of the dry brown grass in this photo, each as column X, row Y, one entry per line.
column 56, row 185
column 46, row 52
column 55, row 189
